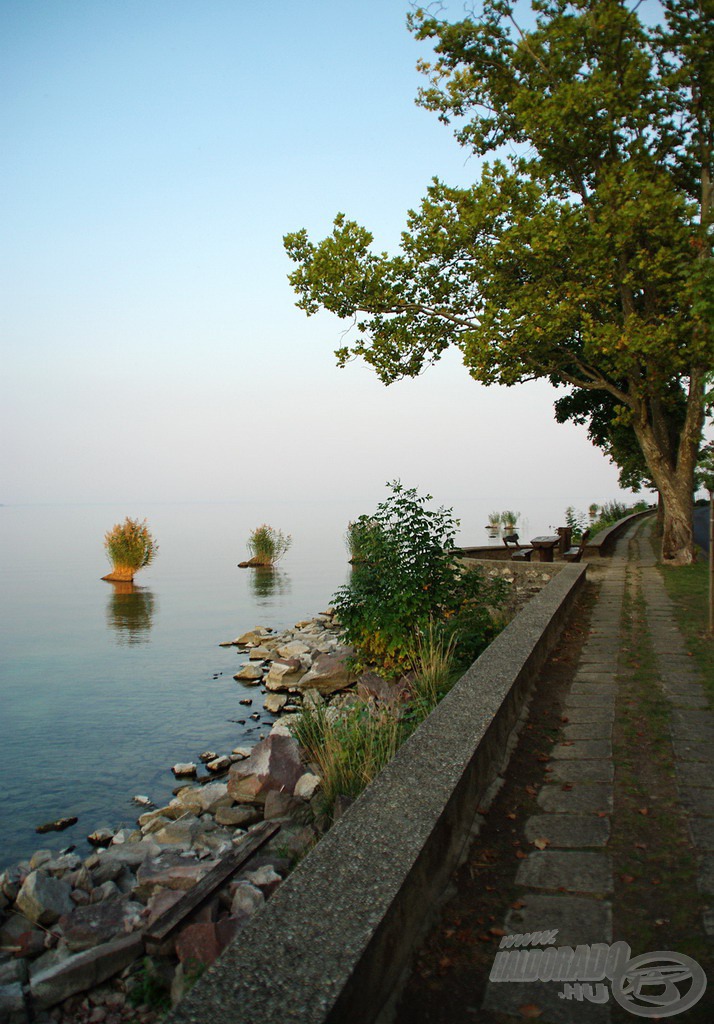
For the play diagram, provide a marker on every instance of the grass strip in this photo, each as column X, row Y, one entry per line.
column 688, row 588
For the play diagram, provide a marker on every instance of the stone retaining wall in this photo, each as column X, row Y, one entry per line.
column 525, row 579
column 331, row 945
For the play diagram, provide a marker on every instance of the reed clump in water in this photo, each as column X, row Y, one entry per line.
column 129, row 547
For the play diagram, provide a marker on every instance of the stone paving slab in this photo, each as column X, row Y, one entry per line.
column 686, row 750
column 700, row 801
column 692, row 773
column 582, row 749
column 572, row 871
column 568, row 830
column 684, row 701
column 587, row 730
column 580, row 771
column 693, row 717
column 590, row 715
column 692, row 734
column 705, row 875
column 599, row 689
column 590, row 797
column 588, row 676
column 702, row 832
column 590, row 700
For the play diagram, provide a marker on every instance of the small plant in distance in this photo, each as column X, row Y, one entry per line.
column 129, row 547
column 358, row 536
column 267, row 546
column 509, row 520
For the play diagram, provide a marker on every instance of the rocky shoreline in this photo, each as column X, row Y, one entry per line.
column 86, row 940
column 77, row 939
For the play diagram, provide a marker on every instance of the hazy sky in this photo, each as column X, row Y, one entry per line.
column 154, row 153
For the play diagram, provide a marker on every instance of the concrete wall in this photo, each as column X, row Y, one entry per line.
column 603, row 542
column 331, row 945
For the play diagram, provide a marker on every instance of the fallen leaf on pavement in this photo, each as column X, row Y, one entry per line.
column 530, row 1010
column 541, row 843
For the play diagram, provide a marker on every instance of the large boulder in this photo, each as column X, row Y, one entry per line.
column 274, row 764
column 169, row 871
column 90, row 926
column 203, row 942
column 43, row 900
column 371, row 686
column 328, row 673
column 284, row 674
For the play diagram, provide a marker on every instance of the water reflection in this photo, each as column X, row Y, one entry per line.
column 267, row 583
column 130, row 612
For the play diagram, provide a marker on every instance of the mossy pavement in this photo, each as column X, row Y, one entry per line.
column 619, row 835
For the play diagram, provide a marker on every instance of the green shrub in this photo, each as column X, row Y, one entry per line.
column 408, row 577
column 267, row 545
column 129, row 547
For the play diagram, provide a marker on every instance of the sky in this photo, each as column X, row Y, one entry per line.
column 154, row 154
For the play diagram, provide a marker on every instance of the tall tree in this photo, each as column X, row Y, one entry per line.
column 584, row 252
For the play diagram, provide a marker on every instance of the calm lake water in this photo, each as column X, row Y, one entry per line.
column 103, row 690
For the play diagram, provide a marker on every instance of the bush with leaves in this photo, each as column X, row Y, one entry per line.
column 408, row 576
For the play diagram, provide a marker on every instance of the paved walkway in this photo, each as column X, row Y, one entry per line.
column 566, row 882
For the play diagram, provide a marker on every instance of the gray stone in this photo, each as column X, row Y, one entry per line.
column 12, row 1004
column 589, row 700
column 246, row 899
column 588, row 730
column 692, row 773
column 592, row 797
column 90, row 926
column 572, row 871
column 687, row 750
column 274, row 764
column 586, row 688
column 85, row 970
column 686, row 733
column 683, row 701
column 169, row 871
column 702, row 832
column 275, row 702
column 329, row 673
column 700, row 801
column 580, row 771
column 597, row 714
column 284, row 674
column 583, row 749
column 43, row 900
column 705, row 875
column 250, row 673
column 238, row 817
column 306, row 786
column 568, row 830
column 578, row 921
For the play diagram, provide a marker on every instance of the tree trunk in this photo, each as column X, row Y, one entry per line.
column 675, row 486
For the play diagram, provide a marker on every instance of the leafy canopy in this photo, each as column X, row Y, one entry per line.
column 583, row 252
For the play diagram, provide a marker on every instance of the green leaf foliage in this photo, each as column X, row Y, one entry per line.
column 406, row 578
column 583, row 253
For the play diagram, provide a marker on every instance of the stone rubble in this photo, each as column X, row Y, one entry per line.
column 71, row 928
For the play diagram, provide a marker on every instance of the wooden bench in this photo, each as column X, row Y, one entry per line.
column 574, row 554
column 521, row 554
